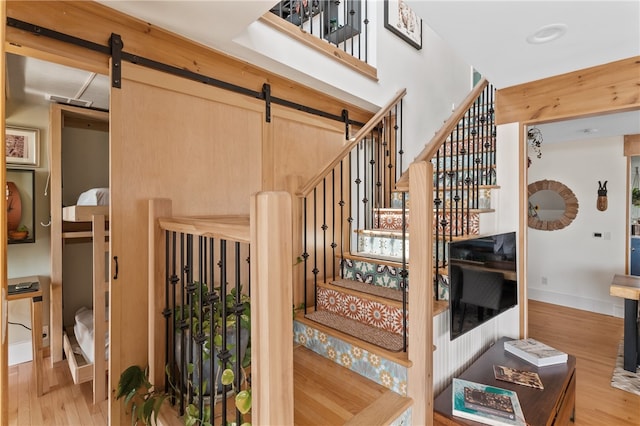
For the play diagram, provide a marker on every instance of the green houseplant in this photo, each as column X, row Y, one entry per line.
column 635, row 196
column 146, row 401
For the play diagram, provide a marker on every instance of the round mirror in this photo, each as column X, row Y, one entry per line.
column 552, row 205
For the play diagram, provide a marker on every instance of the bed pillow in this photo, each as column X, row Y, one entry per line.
column 94, row 197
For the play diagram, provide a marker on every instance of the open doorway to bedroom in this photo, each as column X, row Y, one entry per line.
column 68, row 108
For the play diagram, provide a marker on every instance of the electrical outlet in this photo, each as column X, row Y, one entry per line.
column 45, row 331
column 543, row 280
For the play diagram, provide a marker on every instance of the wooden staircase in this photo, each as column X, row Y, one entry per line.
column 359, row 317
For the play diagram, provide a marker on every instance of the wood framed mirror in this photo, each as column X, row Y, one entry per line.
column 552, row 205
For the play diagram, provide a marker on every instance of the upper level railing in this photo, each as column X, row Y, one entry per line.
column 341, row 23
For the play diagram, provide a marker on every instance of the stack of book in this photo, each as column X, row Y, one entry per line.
column 537, row 353
column 486, row 404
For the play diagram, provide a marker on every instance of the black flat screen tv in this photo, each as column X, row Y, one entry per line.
column 482, row 280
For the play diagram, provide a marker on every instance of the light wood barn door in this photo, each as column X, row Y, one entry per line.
column 177, row 139
column 4, row 346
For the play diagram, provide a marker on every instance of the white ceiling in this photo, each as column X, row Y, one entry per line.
column 597, row 32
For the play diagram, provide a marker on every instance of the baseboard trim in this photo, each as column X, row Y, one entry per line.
column 577, row 302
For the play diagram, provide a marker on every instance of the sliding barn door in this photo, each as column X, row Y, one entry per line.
column 185, row 141
column 4, row 348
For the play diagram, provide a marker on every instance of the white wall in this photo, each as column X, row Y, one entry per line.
column 435, row 78
column 578, row 268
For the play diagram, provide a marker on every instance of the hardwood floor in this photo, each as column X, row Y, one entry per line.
column 593, row 339
column 65, row 403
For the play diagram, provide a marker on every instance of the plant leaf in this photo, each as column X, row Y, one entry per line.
column 227, row 377
column 131, row 378
column 157, row 406
column 243, row 401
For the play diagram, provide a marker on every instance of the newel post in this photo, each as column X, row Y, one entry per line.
column 271, row 309
column 420, row 377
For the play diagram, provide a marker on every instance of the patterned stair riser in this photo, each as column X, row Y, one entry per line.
column 449, row 162
column 365, row 248
column 372, row 273
column 482, row 201
column 452, row 177
column 389, row 374
column 396, row 200
column 393, row 221
column 376, row 314
column 388, row 246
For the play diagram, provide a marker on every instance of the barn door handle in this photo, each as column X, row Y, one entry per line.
column 115, row 258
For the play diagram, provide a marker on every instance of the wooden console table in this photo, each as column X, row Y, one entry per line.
column 628, row 287
column 36, row 325
column 554, row 405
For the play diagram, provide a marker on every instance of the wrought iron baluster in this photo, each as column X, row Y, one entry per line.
column 223, row 354
column 333, row 222
column 324, row 228
column 305, row 253
column 315, row 246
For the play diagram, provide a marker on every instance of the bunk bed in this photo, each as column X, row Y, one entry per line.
column 86, row 342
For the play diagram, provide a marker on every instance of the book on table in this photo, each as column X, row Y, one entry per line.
column 535, row 352
column 517, row 376
column 486, row 404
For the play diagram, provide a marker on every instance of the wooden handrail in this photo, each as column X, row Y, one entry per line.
column 231, row 227
column 370, row 125
column 440, row 137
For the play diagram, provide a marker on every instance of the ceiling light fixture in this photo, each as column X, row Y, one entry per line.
column 547, row 34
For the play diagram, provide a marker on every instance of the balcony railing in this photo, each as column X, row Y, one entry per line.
column 341, row 23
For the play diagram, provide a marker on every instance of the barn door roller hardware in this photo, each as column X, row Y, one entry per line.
column 116, row 60
column 114, row 49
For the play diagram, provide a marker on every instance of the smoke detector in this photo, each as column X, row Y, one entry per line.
column 69, row 101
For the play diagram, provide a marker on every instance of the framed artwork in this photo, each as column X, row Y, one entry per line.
column 22, row 146
column 402, row 21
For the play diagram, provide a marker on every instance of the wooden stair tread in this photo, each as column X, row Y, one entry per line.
column 369, row 289
column 315, row 380
column 388, row 407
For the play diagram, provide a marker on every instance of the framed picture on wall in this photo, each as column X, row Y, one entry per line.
column 22, row 146
column 402, row 21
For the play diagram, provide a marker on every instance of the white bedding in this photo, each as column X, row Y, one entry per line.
column 83, row 329
column 94, row 197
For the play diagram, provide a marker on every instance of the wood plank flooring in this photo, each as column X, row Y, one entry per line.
column 65, row 403
column 592, row 338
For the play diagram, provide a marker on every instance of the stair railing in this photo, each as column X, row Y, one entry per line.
column 463, row 156
column 218, row 285
column 342, row 197
column 343, row 24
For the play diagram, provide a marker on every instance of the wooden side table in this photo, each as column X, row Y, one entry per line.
column 628, row 287
column 36, row 324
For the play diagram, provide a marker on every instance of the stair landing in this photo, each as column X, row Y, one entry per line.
column 326, row 393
